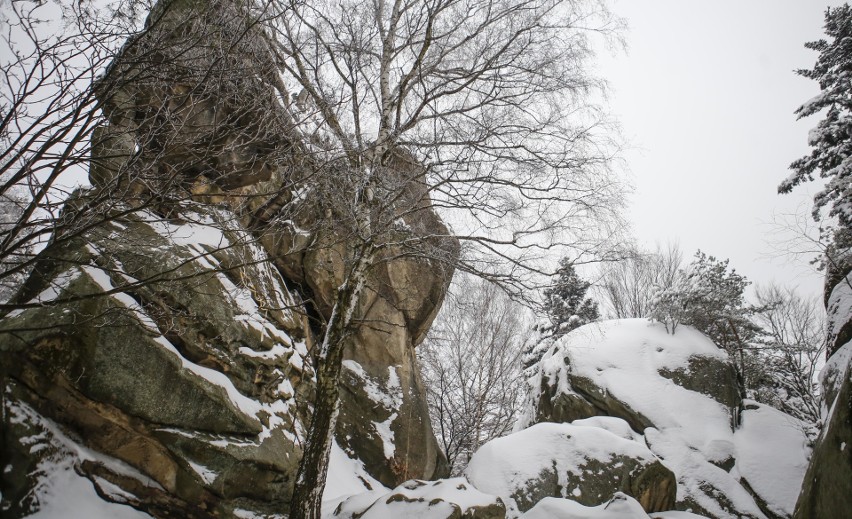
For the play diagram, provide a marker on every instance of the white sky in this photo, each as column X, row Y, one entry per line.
column 705, row 96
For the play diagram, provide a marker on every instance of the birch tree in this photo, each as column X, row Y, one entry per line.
column 490, row 101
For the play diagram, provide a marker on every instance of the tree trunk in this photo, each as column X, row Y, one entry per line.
column 313, row 468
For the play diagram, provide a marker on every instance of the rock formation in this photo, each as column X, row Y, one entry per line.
column 445, row 499
column 584, row 463
column 679, row 396
column 199, row 385
column 827, row 488
column 177, row 376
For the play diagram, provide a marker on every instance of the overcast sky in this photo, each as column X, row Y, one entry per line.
column 705, row 95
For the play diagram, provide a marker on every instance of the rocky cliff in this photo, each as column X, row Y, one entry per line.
column 827, row 488
column 165, row 351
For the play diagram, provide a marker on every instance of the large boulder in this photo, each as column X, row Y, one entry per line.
column 611, row 368
column 679, row 392
column 620, row 506
column 827, row 489
column 584, row 463
column 233, row 141
column 443, row 499
column 198, row 379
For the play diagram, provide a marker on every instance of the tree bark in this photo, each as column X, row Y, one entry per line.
column 313, row 468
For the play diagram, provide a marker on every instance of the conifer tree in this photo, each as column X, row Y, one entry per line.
column 831, row 139
column 566, row 304
column 566, row 308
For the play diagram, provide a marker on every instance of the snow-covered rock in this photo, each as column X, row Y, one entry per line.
column 679, row 393
column 620, row 506
column 584, row 463
column 58, row 491
column 205, row 201
column 827, row 489
column 200, row 383
column 346, row 477
column 771, row 455
column 452, row 498
column 838, row 310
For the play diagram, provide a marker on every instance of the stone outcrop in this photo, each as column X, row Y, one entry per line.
column 679, row 395
column 583, row 463
column 827, row 488
column 227, row 244
column 200, row 383
column 402, row 297
column 443, row 499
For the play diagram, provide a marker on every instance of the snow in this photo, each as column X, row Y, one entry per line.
column 420, row 500
column 621, row 506
column 60, row 488
column 625, row 357
column 387, row 436
column 505, row 465
column 60, row 283
column 347, row 477
column 772, row 455
column 390, row 399
column 615, row 425
column 205, row 232
column 692, row 434
column 676, row 514
column 277, row 350
column 838, row 309
column 248, row 514
column 697, row 478
column 52, row 435
column 207, row 475
column 836, row 369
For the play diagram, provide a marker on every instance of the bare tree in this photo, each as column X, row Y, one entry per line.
column 11, row 207
column 487, row 101
column 106, row 117
column 48, row 61
column 471, row 365
column 628, row 287
column 787, row 364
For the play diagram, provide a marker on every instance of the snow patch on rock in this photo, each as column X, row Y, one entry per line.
column 621, row 506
